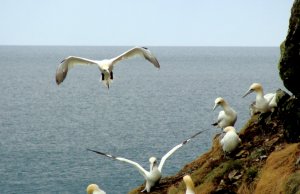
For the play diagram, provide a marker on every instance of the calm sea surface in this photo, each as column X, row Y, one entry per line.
column 45, row 129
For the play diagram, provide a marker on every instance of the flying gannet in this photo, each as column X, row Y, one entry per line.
column 231, row 140
column 226, row 117
column 105, row 66
column 263, row 103
column 190, row 187
column 155, row 173
column 94, row 189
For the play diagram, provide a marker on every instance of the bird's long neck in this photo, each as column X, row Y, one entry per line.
column 226, row 107
column 259, row 94
column 190, row 191
column 190, row 188
column 153, row 167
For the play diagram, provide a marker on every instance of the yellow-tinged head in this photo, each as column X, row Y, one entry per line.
column 255, row 87
column 153, row 162
column 229, row 128
column 219, row 101
column 91, row 188
column 189, row 182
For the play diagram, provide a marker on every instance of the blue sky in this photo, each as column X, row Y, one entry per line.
column 144, row 22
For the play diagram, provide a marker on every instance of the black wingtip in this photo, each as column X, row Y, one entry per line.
column 95, row 151
column 101, row 153
column 144, row 47
column 214, row 124
column 196, row 134
column 199, row 132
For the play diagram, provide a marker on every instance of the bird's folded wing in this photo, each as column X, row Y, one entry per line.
column 221, row 116
column 269, row 97
column 135, row 52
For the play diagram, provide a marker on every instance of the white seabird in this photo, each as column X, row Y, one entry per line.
column 190, row 187
column 226, row 117
column 94, row 189
column 263, row 103
column 105, row 66
column 154, row 175
column 231, row 140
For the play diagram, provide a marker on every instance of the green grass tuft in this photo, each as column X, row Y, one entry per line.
column 292, row 185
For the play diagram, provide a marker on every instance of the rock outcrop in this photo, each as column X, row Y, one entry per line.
column 289, row 71
column 289, row 65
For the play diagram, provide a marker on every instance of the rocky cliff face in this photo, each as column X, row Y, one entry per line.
column 289, row 65
column 289, row 70
column 268, row 160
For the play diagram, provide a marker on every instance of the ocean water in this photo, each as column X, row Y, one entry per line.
column 45, row 129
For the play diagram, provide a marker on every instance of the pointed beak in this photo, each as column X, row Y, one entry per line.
column 105, row 71
column 216, row 105
column 248, row 92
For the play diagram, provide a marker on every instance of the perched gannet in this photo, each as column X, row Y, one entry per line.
column 94, row 189
column 231, row 140
column 105, row 66
column 190, row 187
column 263, row 103
column 154, row 175
column 226, row 117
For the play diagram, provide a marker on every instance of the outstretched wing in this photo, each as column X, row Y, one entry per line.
column 68, row 63
column 167, row 155
column 137, row 51
column 142, row 171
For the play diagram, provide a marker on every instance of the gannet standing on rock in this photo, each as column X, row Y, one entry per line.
column 105, row 66
column 190, row 187
column 94, row 189
column 226, row 117
column 231, row 140
column 153, row 176
column 263, row 103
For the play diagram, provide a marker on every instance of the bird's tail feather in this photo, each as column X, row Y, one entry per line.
column 107, row 82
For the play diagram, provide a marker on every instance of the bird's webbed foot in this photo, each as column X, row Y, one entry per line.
column 111, row 75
